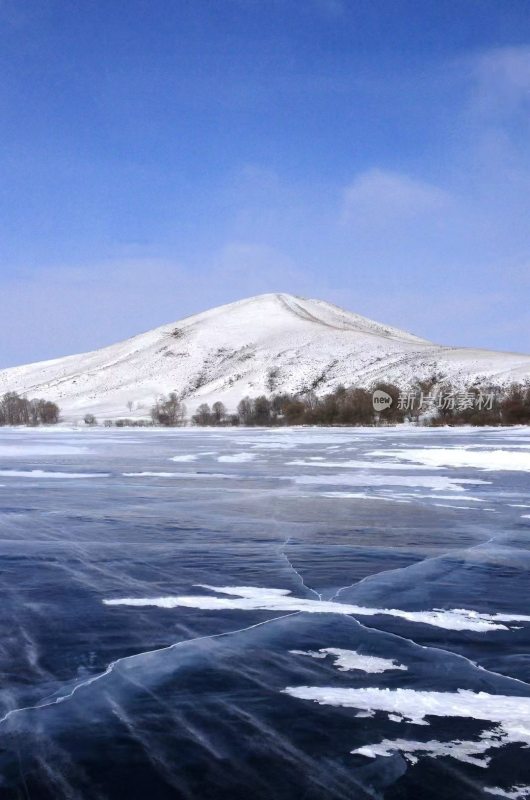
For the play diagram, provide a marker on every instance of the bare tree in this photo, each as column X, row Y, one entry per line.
column 48, row 412
column 245, row 411
column 16, row 410
column 203, row 415
column 219, row 412
column 169, row 411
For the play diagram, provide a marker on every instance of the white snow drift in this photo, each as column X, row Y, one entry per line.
column 436, row 457
column 253, row 598
column 346, row 660
column 509, row 716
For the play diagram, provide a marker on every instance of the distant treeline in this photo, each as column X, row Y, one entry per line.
column 443, row 405
column 431, row 403
column 16, row 410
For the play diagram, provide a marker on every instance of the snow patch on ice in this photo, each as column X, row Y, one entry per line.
column 177, row 475
column 16, row 450
column 509, row 715
column 251, row 598
column 470, row 752
column 518, row 792
column 346, row 660
column 274, row 446
column 41, row 473
column 353, row 464
column 442, row 497
column 435, row 482
column 449, row 505
column 436, row 457
column 364, row 496
column 237, row 458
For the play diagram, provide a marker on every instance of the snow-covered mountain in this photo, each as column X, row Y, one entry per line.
column 272, row 342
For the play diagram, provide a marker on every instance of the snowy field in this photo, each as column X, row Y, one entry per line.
column 294, row 613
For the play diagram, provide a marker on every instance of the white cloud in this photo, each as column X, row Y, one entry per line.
column 385, row 245
column 58, row 311
column 502, row 79
column 380, row 197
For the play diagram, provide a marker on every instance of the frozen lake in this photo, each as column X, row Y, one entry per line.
column 292, row 613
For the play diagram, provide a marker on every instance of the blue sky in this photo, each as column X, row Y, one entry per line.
column 162, row 156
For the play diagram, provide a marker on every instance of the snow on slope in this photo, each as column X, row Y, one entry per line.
column 229, row 352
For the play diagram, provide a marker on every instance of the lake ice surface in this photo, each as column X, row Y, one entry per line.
column 317, row 613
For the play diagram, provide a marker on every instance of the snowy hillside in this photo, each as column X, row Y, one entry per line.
column 272, row 342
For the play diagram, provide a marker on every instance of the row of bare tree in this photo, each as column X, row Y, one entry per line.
column 429, row 402
column 16, row 410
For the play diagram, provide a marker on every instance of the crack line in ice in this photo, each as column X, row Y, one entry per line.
column 282, row 552
column 467, row 751
column 438, row 649
column 383, row 573
column 126, row 659
column 375, row 575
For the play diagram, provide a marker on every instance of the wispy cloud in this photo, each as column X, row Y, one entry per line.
column 440, row 249
column 380, row 197
column 72, row 309
column 502, row 80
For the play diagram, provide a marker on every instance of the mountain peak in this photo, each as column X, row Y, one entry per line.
column 274, row 342
column 265, row 312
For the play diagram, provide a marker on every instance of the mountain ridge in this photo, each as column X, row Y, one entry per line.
column 270, row 342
